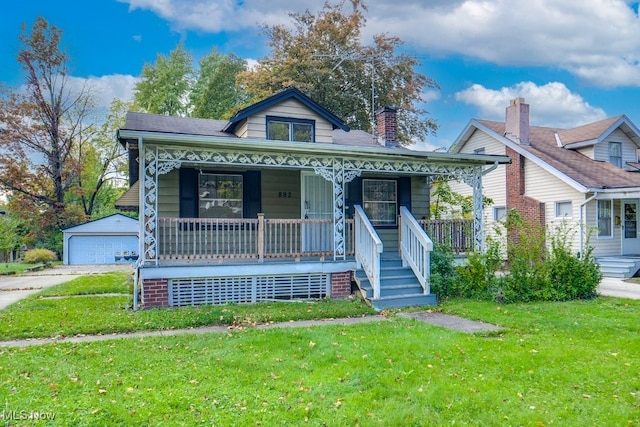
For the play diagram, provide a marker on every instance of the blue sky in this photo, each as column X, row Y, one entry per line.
column 573, row 61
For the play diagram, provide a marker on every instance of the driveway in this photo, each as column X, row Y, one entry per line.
column 14, row 288
column 612, row 287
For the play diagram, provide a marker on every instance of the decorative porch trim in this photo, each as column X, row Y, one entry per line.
column 158, row 160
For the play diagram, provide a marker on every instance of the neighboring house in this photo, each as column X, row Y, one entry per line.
column 282, row 201
column 585, row 178
column 109, row 240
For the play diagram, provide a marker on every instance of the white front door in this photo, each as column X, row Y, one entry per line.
column 317, row 204
column 630, row 236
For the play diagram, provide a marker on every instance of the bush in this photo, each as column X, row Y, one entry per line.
column 442, row 270
column 537, row 272
column 35, row 256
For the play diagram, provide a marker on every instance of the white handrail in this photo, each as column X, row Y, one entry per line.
column 368, row 249
column 415, row 248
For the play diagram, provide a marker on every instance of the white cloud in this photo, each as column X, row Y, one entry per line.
column 596, row 40
column 105, row 88
column 221, row 15
column 552, row 104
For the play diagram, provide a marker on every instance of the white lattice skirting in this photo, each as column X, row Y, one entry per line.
column 223, row 290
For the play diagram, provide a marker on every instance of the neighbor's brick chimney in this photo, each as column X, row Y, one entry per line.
column 386, row 126
column 517, row 121
column 517, row 130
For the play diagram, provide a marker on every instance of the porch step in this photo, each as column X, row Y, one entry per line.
column 399, row 287
column 621, row 267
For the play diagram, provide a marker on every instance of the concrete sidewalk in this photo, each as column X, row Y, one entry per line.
column 613, row 287
column 14, row 288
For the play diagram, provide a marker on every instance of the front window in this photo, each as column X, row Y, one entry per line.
column 380, row 200
column 499, row 213
column 220, row 195
column 615, row 154
column 604, row 218
column 283, row 129
column 563, row 210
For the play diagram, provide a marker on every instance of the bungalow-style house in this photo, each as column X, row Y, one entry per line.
column 283, row 201
column 585, row 178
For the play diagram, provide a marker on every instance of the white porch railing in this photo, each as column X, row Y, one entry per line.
column 369, row 248
column 415, row 248
column 256, row 238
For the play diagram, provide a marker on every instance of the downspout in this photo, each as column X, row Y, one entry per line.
column 492, row 168
column 581, row 225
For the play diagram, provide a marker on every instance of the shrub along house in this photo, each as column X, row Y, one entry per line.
column 283, row 201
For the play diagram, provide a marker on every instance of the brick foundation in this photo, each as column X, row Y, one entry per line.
column 341, row 285
column 155, row 293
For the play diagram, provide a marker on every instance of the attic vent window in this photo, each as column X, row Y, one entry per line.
column 286, row 129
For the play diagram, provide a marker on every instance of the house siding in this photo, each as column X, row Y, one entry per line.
column 603, row 245
column 629, row 154
column 419, row 198
column 281, row 193
column 542, row 186
column 169, row 195
column 257, row 124
column 493, row 183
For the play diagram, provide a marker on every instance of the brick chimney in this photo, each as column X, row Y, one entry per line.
column 517, row 121
column 386, row 126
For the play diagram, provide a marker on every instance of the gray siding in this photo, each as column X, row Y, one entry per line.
column 281, row 193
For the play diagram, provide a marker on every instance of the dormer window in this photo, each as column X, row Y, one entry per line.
column 288, row 129
column 615, row 154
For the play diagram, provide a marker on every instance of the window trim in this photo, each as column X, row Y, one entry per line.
column 495, row 213
column 291, row 121
column 605, row 236
column 397, row 201
column 557, row 204
column 618, row 162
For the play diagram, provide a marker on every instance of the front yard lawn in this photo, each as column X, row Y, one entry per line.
column 101, row 304
column 569, row 364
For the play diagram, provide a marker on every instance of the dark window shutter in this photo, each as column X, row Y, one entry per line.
column 404, row 192
column 252, row 194
column 188, row 193
column 354, row 196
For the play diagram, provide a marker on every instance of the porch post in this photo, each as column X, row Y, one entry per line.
column 152, row 167
column 478, row 210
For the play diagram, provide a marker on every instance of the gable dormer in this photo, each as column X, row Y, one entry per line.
column 286, row 116
column 615, row 140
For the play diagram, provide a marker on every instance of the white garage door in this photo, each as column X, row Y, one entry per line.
column 101, row 249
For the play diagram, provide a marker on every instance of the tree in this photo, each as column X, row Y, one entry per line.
column 215, row 94
column 103, row 160
column 164, row 86
column 47, row 140
column 323, row 56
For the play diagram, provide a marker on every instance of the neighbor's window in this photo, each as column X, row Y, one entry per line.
column 283, row 129
column 605, row 228
column 563, row 210
column 615, row 154
column 380, row 200
column 220, row 196
column 499, row 213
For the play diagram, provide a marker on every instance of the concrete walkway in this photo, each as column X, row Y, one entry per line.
column 14, row 288
column 613, row 287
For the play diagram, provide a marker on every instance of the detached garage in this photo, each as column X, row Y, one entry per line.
column 110, row 240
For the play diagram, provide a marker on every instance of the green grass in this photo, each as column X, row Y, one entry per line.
column 569, row 364
column 79, row 311
column 13, row 268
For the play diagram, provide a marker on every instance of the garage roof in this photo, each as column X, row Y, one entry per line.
column 114, row 224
